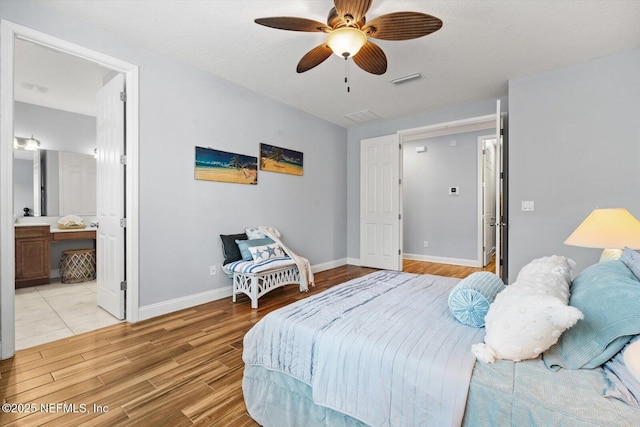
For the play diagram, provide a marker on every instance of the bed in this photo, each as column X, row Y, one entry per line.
column 384, row 350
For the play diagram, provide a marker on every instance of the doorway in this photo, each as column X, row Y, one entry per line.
column 408, row 141
column 478, row 128
column 129, row 282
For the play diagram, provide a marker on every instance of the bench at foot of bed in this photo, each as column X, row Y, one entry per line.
column 257, row 279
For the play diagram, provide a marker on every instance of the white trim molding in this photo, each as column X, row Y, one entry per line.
column 170, row 306
column 444, row 260
column 8, row 32
column 328, row 265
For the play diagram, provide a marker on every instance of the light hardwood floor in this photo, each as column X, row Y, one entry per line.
column 180, row 369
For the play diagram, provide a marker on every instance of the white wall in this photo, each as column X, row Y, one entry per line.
column 574, row 146
column 181, row 218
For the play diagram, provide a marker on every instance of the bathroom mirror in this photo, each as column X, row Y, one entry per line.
column 53, row 183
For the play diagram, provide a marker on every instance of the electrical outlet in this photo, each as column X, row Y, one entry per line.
column 426, row 243
column 527, row 205
column 212, row 270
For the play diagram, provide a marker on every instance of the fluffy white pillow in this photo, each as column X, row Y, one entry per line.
column 529, row 316
column 631, row 357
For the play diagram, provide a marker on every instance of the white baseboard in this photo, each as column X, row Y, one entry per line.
column 353, row 261
column 444, row 260
column 166, row 307
column 329, row 265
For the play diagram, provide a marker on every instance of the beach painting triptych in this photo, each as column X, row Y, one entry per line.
column 216, row 165
column 282, row 160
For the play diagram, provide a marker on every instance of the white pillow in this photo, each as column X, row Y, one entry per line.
column 529, row 316
column 631, row 357
column 263, row 253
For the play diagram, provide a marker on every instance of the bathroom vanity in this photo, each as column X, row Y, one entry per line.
column 33, row 250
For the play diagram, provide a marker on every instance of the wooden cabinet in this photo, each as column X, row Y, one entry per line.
column 32, row 255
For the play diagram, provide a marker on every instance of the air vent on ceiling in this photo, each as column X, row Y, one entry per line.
column 362, row 116
column 406, row 79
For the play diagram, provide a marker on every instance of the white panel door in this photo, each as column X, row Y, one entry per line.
column 110, row 249
column 380, row 225
column 489, row 199
column 77, row 184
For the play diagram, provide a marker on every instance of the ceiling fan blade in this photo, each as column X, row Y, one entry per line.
column 314, row 57
column 356, row 8
column 402, row 26
column 371, row 59
column 292, row 23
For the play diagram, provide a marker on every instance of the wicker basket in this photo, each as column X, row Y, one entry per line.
column 78, row 265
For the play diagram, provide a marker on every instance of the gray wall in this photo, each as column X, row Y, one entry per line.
column 574, row 146
column 387, row 127
column 448, row 223
column 181, row 218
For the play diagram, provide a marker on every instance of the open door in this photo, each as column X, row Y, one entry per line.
column 500, row 194
column 488, row 200
column 380, row 220
column 110, row 251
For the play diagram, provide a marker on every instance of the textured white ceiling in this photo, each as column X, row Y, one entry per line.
column 481, row 46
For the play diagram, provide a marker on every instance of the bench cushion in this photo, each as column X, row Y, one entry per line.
column 258, row 267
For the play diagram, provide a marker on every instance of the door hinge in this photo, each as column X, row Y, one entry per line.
column 123, row 159
column 399, row 251
column 400, row 181
column 399, row 216
column 123, row 285
column 501, row 132
column 501, row 175
column 123, row 96
column 123, row 222
column 484, row 151
column 400, row 146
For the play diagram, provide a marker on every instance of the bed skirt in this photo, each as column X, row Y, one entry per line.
column 274, row 399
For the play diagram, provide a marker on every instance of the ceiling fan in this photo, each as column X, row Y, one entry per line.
column 348, row 32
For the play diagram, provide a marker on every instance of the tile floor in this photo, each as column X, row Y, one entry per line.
column 49, row 312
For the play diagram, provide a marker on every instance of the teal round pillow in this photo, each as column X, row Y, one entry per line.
column 470, row 299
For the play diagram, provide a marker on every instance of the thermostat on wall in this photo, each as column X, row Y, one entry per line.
column 454, row 191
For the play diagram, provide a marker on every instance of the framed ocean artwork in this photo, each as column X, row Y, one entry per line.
column 216, row 165
column 282, row 160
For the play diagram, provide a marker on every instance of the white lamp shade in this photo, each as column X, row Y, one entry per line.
column 346, row 41
column 607, row 228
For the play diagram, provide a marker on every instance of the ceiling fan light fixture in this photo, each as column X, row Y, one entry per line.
column 346, row 41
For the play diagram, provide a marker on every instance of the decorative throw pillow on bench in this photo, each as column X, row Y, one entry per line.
column 263, row 253
column 230, row 248
column 244, row 246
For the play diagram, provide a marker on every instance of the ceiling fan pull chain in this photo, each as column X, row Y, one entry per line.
column 346, row 73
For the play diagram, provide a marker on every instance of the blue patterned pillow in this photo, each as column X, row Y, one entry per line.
column 244, row 246
column 263, row 253
column 470, row 299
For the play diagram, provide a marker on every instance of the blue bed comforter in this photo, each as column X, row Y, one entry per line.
column 383, row 349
